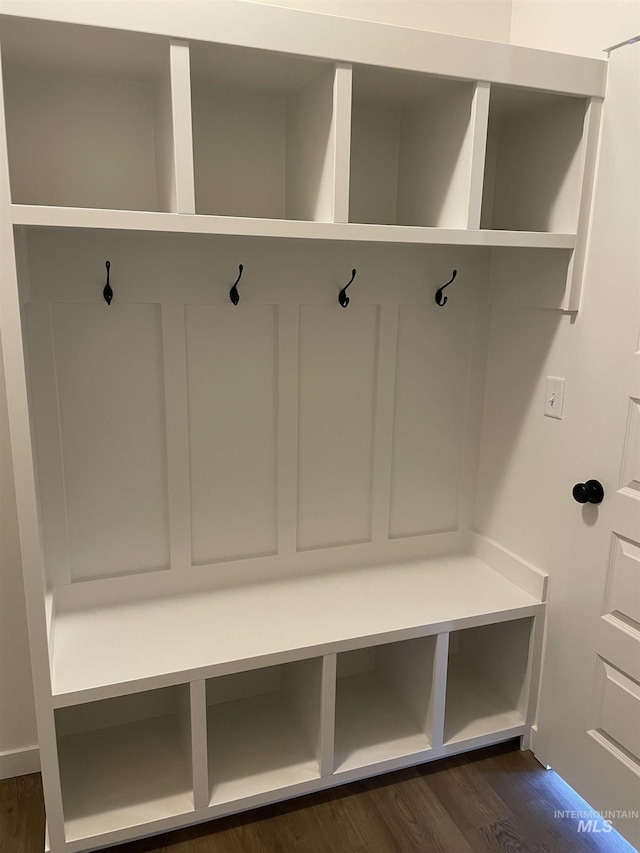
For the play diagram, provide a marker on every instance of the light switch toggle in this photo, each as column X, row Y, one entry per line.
column 554, row 397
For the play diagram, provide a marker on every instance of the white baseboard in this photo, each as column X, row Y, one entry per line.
column 509, row 565
column 19, row 762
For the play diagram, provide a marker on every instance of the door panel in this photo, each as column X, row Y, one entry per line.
column 590, row 712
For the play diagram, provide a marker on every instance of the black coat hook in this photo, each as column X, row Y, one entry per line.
column 343, row 299
column 440, row 299
column 234, row 296
column 107, row 292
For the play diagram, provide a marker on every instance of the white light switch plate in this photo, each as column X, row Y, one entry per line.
column 554, row 397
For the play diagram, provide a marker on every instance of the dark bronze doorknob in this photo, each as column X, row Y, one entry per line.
column 590, row 492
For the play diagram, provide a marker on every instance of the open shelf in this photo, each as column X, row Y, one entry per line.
column 262, row 133
column 383, row 702
column 263, row 729
column 88, row 115
column 533, row 162
column 487, row 680
column 410, row 149
column 83, row 218
column 124, row 761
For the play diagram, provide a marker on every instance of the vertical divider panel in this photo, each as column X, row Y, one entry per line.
column 182, row 128
column 479, row 129
column 26, row 500
column 384, row 414
column 590, row 137
column 288, row 335
column 439, row 690
column 328, row 715
column 533, row 676
column 175, row 383
column 342, row 96
column 199, row 751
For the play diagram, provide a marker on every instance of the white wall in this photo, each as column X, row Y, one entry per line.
column 513, row 443
column 480, row 19
column 584, row 27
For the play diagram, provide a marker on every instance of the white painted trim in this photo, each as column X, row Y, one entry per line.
column 135, row 220
column 509, row 565
column 337, row 39
column 182, row 130
column 479, row 128
column 19, row 762
column 342, row 90
column 590, row 148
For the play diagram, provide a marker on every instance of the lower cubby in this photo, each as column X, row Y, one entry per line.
column 263, row 729
column 487, row 680
column 125, row 761
column 383, row 702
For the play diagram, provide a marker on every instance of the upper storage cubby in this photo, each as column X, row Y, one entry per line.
column 88, row 116
column 411, row 146
column 533, row 167
column 262, row 133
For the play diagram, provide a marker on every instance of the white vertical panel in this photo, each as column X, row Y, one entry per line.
column 233, row 416
column 328, row 715
column 111, row 399
column 479, row 129
column 342, row 97
column 181, row 126
column 199, row 751
column 588, row 155
column 428, row 441
column 337, row 384
column 439, row 691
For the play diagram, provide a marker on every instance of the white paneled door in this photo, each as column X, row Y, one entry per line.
column 590, row 714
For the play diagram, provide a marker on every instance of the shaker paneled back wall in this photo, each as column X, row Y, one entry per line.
column 191, row 431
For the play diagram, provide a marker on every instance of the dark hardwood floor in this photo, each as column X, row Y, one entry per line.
column 491, row 801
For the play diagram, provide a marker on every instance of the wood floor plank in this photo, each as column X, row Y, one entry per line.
column 502, row 837
column 416, row 819
column 465, row 793
column 495, row 800
column 21, row 815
